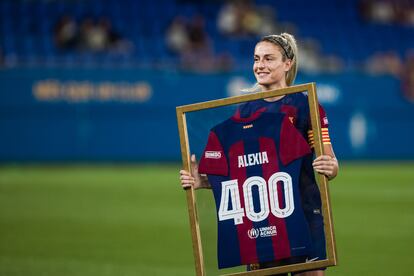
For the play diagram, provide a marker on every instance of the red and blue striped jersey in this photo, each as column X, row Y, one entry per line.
column 253, row 165
column 296, row 108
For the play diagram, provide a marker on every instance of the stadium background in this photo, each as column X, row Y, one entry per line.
column 89, row 145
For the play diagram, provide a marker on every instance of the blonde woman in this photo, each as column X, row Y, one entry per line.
column 275, row 66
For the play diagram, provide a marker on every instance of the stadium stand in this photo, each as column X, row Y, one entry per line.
column 26, row 30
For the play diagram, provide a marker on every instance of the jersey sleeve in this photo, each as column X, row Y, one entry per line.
column 323, row 117
column 213, row 161
column 324, row 129
column 292, row 144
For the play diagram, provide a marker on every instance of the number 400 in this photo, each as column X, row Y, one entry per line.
column 230, row 192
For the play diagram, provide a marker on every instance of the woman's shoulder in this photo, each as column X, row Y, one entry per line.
column 297, row 99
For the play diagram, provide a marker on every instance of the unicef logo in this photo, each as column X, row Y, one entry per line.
column 253, row 233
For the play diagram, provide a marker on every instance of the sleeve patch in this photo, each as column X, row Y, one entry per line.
column 326, row 140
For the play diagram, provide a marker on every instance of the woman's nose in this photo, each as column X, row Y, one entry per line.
column 260, row 64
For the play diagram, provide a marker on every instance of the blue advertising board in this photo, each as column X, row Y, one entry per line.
column 129, row 114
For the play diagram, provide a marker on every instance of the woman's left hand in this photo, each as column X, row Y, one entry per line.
column 327, row 165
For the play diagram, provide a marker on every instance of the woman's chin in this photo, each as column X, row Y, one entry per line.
column 265, row 83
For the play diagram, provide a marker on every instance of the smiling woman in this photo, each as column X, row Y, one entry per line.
column 274, row 59
column 275, row 67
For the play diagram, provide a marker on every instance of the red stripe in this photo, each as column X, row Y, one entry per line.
column 247, row 245
column 281, row 246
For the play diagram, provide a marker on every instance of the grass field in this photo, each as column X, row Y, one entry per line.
column 132, row 220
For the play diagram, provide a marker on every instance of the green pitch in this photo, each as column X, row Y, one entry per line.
column 132, row 220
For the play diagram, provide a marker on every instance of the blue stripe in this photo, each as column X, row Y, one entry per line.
column 299, row 237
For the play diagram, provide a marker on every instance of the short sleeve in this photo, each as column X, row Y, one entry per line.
column 323, row 117
column 324, row 129
column 213, row 161
column 292, row 144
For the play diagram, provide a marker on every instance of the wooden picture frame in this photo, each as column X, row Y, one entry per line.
column 322, row 180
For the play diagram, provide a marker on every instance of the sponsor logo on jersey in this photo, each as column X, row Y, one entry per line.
column 248, row 126
column 253, row 159
column 253, row 233
column 212, row 154
column 262, row 232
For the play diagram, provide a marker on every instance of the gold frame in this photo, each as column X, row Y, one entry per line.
column 310, row 88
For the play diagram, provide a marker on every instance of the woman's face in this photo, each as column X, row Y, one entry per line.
column 269, row 67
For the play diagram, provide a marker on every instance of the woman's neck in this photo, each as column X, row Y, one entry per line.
column 274, row 87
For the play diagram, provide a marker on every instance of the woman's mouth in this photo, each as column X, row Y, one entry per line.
column 262, row 74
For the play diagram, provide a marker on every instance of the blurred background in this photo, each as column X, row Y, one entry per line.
column 89, row 146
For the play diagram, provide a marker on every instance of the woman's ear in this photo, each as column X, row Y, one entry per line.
column 288, row 64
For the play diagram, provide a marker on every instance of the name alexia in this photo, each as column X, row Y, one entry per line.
column 253, row 159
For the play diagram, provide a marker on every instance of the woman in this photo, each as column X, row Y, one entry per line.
column 275, row 67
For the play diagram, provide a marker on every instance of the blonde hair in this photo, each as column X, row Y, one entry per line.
column 287, row 43
column 291, row 74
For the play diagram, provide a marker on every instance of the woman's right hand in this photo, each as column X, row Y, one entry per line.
column 194, row 178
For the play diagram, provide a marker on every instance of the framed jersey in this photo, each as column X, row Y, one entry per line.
column 265, row 211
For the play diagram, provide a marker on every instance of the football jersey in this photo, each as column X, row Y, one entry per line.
column 253, row 166
column 296, row 108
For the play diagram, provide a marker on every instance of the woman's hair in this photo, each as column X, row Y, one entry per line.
column 289, row 48
column 289, row 51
